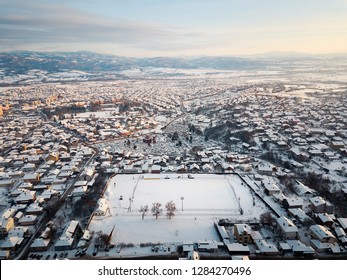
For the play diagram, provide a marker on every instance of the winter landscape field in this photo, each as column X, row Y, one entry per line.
column 200, row 201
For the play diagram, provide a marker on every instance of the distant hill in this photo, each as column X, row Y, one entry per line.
column 22, row 61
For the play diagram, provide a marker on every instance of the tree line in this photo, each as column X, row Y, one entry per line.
column 157, row 210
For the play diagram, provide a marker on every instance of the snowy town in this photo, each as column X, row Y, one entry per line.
column 222, row 165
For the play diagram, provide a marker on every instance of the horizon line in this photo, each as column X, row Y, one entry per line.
column 253, row 55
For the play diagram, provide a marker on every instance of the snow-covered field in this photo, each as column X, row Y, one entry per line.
column 206, row 198
column 99, row 114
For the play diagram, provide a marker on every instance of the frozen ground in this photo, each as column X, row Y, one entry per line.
column 206, row 198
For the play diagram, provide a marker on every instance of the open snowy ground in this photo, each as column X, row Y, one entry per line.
column 206, row 198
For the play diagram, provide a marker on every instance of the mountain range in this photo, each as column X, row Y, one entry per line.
column 20, row 62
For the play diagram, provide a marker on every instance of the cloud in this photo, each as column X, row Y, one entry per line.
column 35, row 23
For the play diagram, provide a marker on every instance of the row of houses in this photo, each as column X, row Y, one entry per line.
column 33, row 175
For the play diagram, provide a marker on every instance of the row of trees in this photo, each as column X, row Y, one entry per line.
column 158, row 211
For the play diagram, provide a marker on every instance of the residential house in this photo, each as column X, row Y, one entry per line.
column 270, row 187
column 102, row 208
column 25, row 197
column 11, row 243
column 194, row 168
column 19, row 231
column 28, row 220
column 223, row 234
column 265, row 169
column 34, row 209
column 79, row 192
column 69, row 237
column 302, row 190
column 19, row 215
column 343, row 223
column 341, row 235
column 52, row 157
column 321, row 233
column 4, row 254
column 31, row 178
column 5, row 226
column 320, row 205
column 9, row 183
column 284, row 247
column 266, row 248
column 188, row 246
column 181, row 169
column 325, row 219
column 299, row 214
column 29, row 167
column 243, row 233
column 238, row 249
column 40, row 245
column 321, row 247
column 86, row 237
column 9, row 213
column 88, row 174
column 156, row 169
column 293, row 202
column 287, row 228
column 210, row 246
column 300, row 249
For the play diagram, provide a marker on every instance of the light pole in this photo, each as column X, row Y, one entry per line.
column 182, row 198
column 129, row 209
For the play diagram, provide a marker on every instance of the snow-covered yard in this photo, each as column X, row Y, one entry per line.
column 199, row 202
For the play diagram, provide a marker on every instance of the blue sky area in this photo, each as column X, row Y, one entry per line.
column 175, row 27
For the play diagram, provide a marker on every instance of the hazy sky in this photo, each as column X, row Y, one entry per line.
column 174, row 27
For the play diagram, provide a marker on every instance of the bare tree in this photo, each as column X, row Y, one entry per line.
column 104, row 239
column 307, row 222
column 266, row 218
column 144, row 210
column 156, row 209
column 60, row 221
column 170, row 209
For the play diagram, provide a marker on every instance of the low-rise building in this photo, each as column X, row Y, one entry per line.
column 287, row 228
column 238, row 249
column 266, row 248
column 243, row 233
column 320, row 205
column 5, row 226
column 12, row 243
column 28, row 220
column 40, row 245
column 321, row 233
column 102, row 208
column 300, row 249
column 343, row 223
column 210, row 246
column 69, row 237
